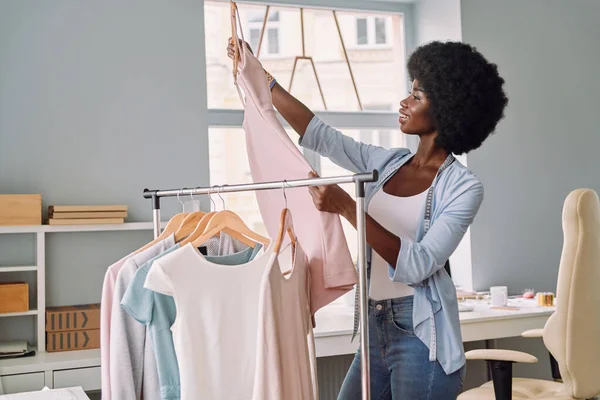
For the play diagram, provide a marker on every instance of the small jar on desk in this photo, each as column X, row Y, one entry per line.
column 545, row 299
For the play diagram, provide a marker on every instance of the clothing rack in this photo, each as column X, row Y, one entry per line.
column 359, row 181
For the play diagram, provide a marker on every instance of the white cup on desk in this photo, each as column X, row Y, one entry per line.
column 499, row 295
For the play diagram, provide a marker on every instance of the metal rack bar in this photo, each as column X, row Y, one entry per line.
column 359, row 180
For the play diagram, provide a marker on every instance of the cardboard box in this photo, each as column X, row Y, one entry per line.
column 14, row 297
column 73, row 340
column 20, row 209
column 72, row 318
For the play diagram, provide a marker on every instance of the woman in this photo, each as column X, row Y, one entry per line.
column 418, row 212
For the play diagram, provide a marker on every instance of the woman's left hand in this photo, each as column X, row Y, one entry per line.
column 331, row 198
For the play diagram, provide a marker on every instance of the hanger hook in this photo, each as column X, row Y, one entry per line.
column 284, row 195
column 192, row 196
column 197, row 201
column 214, row 206
column 179, row 200
column 219, row 194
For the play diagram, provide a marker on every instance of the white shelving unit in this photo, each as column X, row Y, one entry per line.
column 40, row 232
column 128, row 226
column 51, row 369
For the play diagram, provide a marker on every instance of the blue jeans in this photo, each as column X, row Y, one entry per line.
column 400, row 366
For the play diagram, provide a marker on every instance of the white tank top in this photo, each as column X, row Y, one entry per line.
column 399, row 215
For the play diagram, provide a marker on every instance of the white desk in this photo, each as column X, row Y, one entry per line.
column 335, row 321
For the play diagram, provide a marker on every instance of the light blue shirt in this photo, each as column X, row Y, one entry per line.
column 158, row 312
column 457, row 195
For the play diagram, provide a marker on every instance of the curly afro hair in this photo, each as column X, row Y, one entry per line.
column 464, row 90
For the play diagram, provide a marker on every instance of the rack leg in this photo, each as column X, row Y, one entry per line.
column 156, row 215
column 363, row 291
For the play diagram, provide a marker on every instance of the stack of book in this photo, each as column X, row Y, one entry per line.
column 84, row 215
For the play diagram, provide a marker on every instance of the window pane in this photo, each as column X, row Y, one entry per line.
column 256, row 16
column 273, row 15
column 379, row 74
column 380, row 33
column 361, row 31
column 254, row 36
column 273, row 40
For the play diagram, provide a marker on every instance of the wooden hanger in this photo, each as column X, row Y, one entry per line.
column 171, row 227
column 283, row 229
column 200, row 226
column 230, row 223
column 188, row 225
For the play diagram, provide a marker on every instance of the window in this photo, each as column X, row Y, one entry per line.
column 372, row 31
column 361, row 31
column 380, row 76
column 254, row 37
column 270, row 46
column 273, row 40
column 380, row 31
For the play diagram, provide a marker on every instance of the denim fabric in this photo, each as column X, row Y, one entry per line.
column 400, row 366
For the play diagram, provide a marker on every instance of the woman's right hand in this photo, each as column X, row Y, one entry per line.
column 230, row 50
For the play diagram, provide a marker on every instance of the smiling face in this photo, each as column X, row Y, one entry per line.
column 415, row 118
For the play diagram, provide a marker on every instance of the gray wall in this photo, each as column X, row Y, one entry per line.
column 82, row 83
column 548, row 52
column 437, row 20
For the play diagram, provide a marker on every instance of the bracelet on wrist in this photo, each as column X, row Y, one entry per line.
column 270, row 80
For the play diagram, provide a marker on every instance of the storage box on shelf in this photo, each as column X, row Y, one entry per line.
column 73, row 318
column 20, row 209
column 73, row 327
column 14, row 297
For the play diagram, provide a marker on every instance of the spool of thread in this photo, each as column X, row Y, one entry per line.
column 545, row 299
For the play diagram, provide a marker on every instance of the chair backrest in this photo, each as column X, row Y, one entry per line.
column 572, row 334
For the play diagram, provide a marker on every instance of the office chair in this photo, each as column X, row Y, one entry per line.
column 571, row 333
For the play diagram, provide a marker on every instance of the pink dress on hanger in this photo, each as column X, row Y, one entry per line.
column 274, row 157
